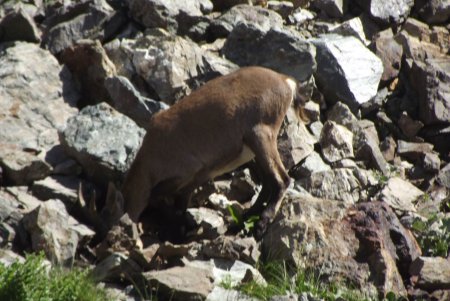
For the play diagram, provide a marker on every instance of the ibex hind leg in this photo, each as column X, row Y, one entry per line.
column 275, row 178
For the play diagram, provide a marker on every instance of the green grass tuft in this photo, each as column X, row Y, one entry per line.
column 280, row 283
column 34, row 281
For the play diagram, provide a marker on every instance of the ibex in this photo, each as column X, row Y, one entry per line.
column 225, row 123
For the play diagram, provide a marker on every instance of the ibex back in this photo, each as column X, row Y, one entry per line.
column 225, row 123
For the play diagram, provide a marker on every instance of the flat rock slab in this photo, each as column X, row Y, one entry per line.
column 431, row 273
column 103, row 141
column 182, row 283
column 400, row 194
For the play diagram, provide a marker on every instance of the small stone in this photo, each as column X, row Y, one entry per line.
column 311, row 164
column 336, row 142
column 57, row 187
column 444, row 176
column 388, row 147
column 209, row 222
column 409, row 126
column 431, row 162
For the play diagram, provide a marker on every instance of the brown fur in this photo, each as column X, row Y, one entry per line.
column 202, row 136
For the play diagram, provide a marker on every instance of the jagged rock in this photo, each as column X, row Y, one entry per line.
column 431, row 273
column 221, row 203
column 278, row 49
column 115, row 267
column 336, row 142
column 325, row 236
column 19, row 26
column 312, row 110
column 409, row 126
column 103, row 141
column 57, row 187
column 433, row 12
column 53, row 231
column 353, row 27
column 333, row 8
column 337, row 75
column 294, row 141
column 400, row 194
column 365, row 136
column 122, row 237
column 233, row 248
column 89, row 64
column 219, row 294
column 301, row 15
column 10, row 217
column 417, row 29
column 21, row 167
column 209, row 223
column 92, row 19
column 418, row 50
column 431, row 81
column 169, row 64
column 388, row 12
column 347, row 185
column 413, row 150
column 179, row 284
column 128, row 101
column 444, row 176
column 170, row 15
column 37, row 96
column 263, row 18
column 387, row 245
column 431, row 162
column 390, row 51
column 283, row 8
column 316, row 128
column 311, row 164
column 23, row 197
column 234, row 271
column 388, row 147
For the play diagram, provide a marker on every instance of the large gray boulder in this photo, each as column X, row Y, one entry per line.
column 279, row 49
column 387, row 12
column 346, row 70
column 103, row 141
column 88, row 19
column 264, row 18
column 171, row 65
column 170, row 15
column 37, row 96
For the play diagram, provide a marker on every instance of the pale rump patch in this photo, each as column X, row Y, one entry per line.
column 293, row 85
column 245, row 156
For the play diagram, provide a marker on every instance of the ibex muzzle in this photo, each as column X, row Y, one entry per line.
column 225, row 123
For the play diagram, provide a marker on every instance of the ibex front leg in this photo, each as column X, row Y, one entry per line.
column 263, row 143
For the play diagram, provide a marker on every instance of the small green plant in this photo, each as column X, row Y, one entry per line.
column 35, row 281
column 433, row 235
column 248, row 224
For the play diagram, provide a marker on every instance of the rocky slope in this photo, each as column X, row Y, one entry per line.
column 80, row 79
